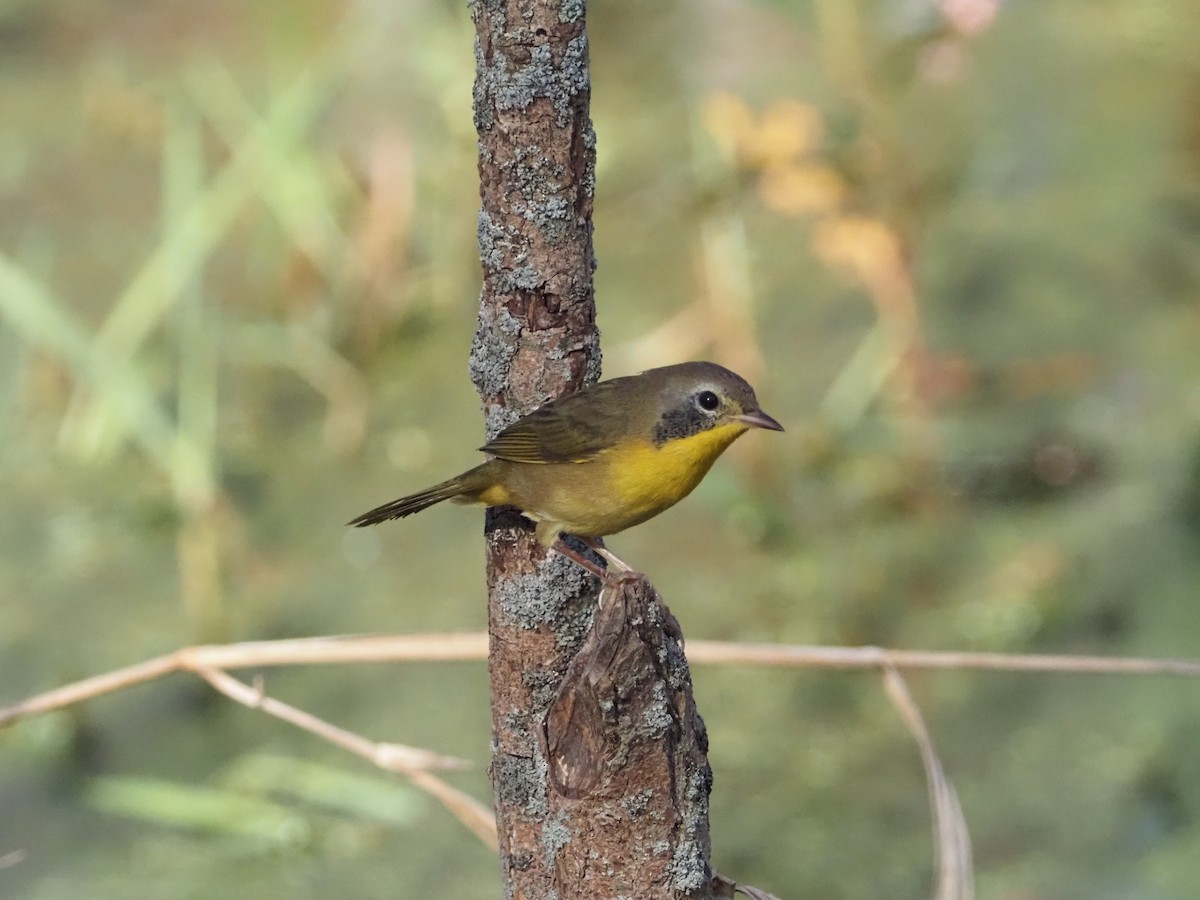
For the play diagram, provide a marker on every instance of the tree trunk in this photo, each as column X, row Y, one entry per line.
column 599, row 770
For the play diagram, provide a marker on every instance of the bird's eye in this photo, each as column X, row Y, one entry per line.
column 707, row 400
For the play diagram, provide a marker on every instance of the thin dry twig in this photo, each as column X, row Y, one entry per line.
column 473, row 646
column 394, row 757
column 412, row 762
column 723, row 886
column 952, row 840
column 807, row 657
column 257, row 654
column 754, row 893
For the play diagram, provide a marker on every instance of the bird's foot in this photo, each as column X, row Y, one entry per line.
column 616, row 571
column 614, row 561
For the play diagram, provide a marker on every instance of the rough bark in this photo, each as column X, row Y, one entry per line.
column 627, row 757
column 599, row 771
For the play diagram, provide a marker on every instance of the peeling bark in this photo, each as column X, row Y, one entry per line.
column 627, row 756
column 599, row 770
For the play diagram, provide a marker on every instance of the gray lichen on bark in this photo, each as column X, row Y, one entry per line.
column 537, row 181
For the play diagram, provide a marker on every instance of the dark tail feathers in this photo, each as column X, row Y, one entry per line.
column 413, row 503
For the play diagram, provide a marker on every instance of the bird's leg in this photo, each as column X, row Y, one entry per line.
column 561, row 546
column 616, row 570
column 614, row 561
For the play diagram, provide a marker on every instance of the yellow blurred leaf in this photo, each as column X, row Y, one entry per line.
column 729, row 121
column 792, row 190
column 867, row 247
column 789, row 129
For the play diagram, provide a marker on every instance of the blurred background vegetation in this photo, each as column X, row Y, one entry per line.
column 954, row 243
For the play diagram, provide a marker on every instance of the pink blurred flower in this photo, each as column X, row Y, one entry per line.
column 970, row 17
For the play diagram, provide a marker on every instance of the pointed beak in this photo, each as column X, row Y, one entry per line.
column 759, row 419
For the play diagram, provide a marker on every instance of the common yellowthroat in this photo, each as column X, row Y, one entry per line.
column 605, row 458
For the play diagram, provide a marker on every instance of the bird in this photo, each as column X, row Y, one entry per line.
column 605, row 458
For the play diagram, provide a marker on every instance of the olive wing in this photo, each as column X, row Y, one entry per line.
column 573, row 429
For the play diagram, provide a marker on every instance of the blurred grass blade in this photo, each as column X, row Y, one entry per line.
column 34, row 313
column 193, row 469
column 326, row 371
column 288, row 179
column 727, row 266
column 193, row 476
column 952, row 841
column 373, row 798
column 208, row 809
column 862, row 378
column 192, row 237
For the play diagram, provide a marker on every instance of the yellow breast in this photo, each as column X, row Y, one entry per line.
column 647, row 478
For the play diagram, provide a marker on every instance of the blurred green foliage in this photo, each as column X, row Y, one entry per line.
column 956, row 246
